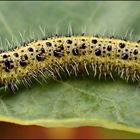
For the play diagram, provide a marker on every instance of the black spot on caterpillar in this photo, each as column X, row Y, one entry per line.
column 70, row 54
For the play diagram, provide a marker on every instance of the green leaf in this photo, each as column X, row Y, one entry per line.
column 78, row 101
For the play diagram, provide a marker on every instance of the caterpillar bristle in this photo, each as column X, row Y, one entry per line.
column 83, row 34
column 44, row 38
column 96, row 36
column 124, row 39
column 111, row 37
column 24, row 44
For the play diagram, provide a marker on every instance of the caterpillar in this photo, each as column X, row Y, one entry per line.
column 70, row 54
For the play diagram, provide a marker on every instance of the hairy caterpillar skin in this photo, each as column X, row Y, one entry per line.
column 71, row 54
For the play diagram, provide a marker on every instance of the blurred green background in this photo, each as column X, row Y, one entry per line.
column 109, row 18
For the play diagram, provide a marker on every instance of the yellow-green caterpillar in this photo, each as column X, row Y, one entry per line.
column 71, row 54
